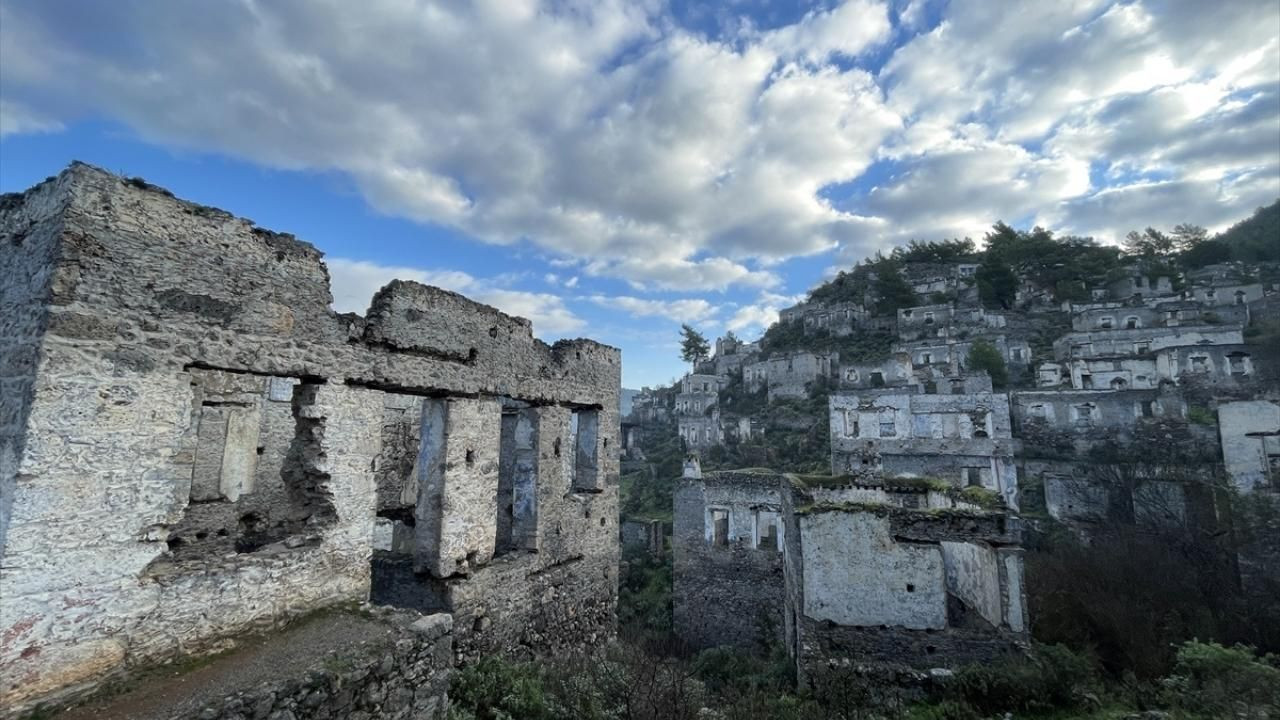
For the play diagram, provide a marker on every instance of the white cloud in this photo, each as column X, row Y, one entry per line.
column 694, row 310
column 761, row 314
column 355, row 281
column 622, row 145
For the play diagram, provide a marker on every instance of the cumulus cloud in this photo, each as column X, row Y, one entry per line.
column 762, row 313
column 355, row 281
column 695, row 310
column 623, row 145
column 595, row 130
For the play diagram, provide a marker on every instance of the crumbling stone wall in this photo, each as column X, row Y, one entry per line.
column 168, row 335
column 30, row 226
column 730, row 592
column 883, row 585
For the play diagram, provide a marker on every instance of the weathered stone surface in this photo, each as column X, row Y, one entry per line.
column 132, row 530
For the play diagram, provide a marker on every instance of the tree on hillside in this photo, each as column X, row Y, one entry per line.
column 892, row 290
column 1186, row 236
column 997, row 285
column 693, row 346
column 947, row 251
column 984, row 356
column 1256, row 239
column 1150, row 244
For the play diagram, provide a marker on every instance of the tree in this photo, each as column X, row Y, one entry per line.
column 1186, row 236
column 984, row 356
column 1150, row 243
column 892, row 290
column 997, row 285
column 693, row 346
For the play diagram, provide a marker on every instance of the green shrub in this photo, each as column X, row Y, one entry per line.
column 1224, row 681
column 1051, row 677
column 1201, row 415
column 497, row 689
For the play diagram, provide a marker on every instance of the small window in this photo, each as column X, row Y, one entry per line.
column 928, row 318
column 1036, row 411
column 1106, row 323
column 926, row 358
column 1084, row 414
column 973, row 477
column 1240, row 296
column 906, row 313
column 1132, row 323
column 767, row 536
column 1211, row 294
column 1148, row 409
column 888, row 428
column 1119, row 383
column 1016, row 353
column 1236, row 361
column 719, row 527
column 1143, row 346
column 1199, row 363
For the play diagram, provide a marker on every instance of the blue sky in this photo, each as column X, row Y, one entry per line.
column 611, row 169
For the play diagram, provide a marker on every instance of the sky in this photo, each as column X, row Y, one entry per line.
column 614, row 169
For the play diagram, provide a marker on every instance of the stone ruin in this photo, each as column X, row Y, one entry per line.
column 194, row 446
column 867, row 576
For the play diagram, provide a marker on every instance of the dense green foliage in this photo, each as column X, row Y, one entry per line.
column 645, row 678
column 1257, row 238
column 997, row 284
column 947, row 251
column 983, row 356
column 892, row 290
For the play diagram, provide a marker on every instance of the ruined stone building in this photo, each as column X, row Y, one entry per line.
column 952, row 353
column 945, row 321
column 194, row 446
column 697, row 408
column 792, row 374
column 846, row 571
column 961, row 439
column 1250, row 436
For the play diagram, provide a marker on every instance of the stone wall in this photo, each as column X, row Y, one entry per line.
column 30, row 224
column 409, row 679
column 730, row 592
column 1250, row 433
column 961, row 439
column 365, row 664
column 873, row 585
column 160, row 472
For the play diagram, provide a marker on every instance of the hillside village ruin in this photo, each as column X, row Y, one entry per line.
column 195, row 449
column 931, row 467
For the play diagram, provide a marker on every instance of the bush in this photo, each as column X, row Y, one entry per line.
column 984, row 356
column 496, row 689
column 1052, row 677
column 1224, row 681
column 1201, row 415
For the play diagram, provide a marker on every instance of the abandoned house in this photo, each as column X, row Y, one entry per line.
column 790, row 375
column 962, row 439
column 199, row 446
column 844, row 570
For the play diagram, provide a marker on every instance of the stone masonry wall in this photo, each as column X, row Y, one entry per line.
column 30, row 227
column 730, row 594
column 410, row 679
column 142, row 299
